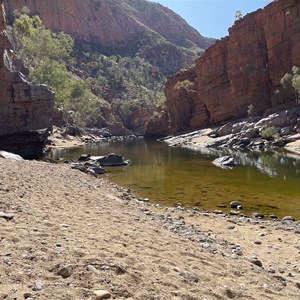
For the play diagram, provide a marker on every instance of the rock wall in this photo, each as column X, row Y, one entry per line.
column 123, row 27
column 241, row 69
column 25, row 108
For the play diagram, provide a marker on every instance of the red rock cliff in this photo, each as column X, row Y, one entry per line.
column 121, row 27
column 26, row 108
column 242, row 69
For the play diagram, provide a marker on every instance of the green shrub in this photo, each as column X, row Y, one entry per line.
column 185, row 84
column 291, row 84
column 269, row 133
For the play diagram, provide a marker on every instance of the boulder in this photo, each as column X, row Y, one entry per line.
column 9, row 155
column 111, row 160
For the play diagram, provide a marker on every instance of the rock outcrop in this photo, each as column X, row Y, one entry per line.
column 26, row 108
column 239, row 70
column 124, row 27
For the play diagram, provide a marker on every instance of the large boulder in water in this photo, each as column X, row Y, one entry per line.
column 111, row 160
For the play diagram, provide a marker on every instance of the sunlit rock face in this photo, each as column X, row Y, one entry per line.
column 124, row 27
column 241, row 69
column 25, row 108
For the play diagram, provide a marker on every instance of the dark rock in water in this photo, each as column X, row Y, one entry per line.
column 84, row 157
column 112, row 160
column 273, row 217
column 224, row 162
column 93, row 170
column 236, row 204
column 97, row 170
column 258, row 215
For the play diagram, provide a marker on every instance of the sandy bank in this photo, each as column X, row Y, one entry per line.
column 133, row 250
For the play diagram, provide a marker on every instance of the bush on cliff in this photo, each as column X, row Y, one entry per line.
column 47, row 56
column 291, row 83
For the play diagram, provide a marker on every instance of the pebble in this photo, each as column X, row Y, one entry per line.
column 217, row 212
column 102, row 294
column 230, row 227
column 66, row 271
column 297, row 283
column 27, row 295
column 236, row 204
column 64, row 225
column 256, row 262
column 271, row 270
column 288, row 218
column 92, row 269
column 38, row 285
column 257, row 242
column 192, row 277
column 229, row 293
column 6, row 215
column 258, row 215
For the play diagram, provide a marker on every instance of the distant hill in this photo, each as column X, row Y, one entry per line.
column 122, row 27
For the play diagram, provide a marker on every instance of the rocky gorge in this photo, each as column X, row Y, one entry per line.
column 115, row 27
column 241, row 70
column 26, row 108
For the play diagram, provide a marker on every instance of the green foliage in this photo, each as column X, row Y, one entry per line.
column 185, row 84
column 124, row 84
column 269, row 133
column 127, row 83
column 47, row 55
column 291, row 84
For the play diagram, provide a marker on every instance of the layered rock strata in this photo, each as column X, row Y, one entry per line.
column 124, row 27
column 242, row 69
column 25, row 108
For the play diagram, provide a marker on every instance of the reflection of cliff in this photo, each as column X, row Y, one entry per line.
column 273, row 164
column 241, row 69
column 26, row 108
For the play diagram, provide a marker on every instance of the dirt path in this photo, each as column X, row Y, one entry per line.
column 107, row 240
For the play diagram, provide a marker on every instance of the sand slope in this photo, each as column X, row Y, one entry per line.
column 111, row 242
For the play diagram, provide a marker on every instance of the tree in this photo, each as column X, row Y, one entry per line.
column 238, row 15
column 47, row 55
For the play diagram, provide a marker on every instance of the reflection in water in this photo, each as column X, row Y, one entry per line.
column 266, row 182
column 282, row 164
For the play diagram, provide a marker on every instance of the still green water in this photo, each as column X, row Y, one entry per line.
column 267, row 182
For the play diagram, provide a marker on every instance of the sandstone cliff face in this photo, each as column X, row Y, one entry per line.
column 26, row 108
column 241, row 69
column 123, row 27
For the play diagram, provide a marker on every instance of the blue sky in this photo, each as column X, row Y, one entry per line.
column 212, row 18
